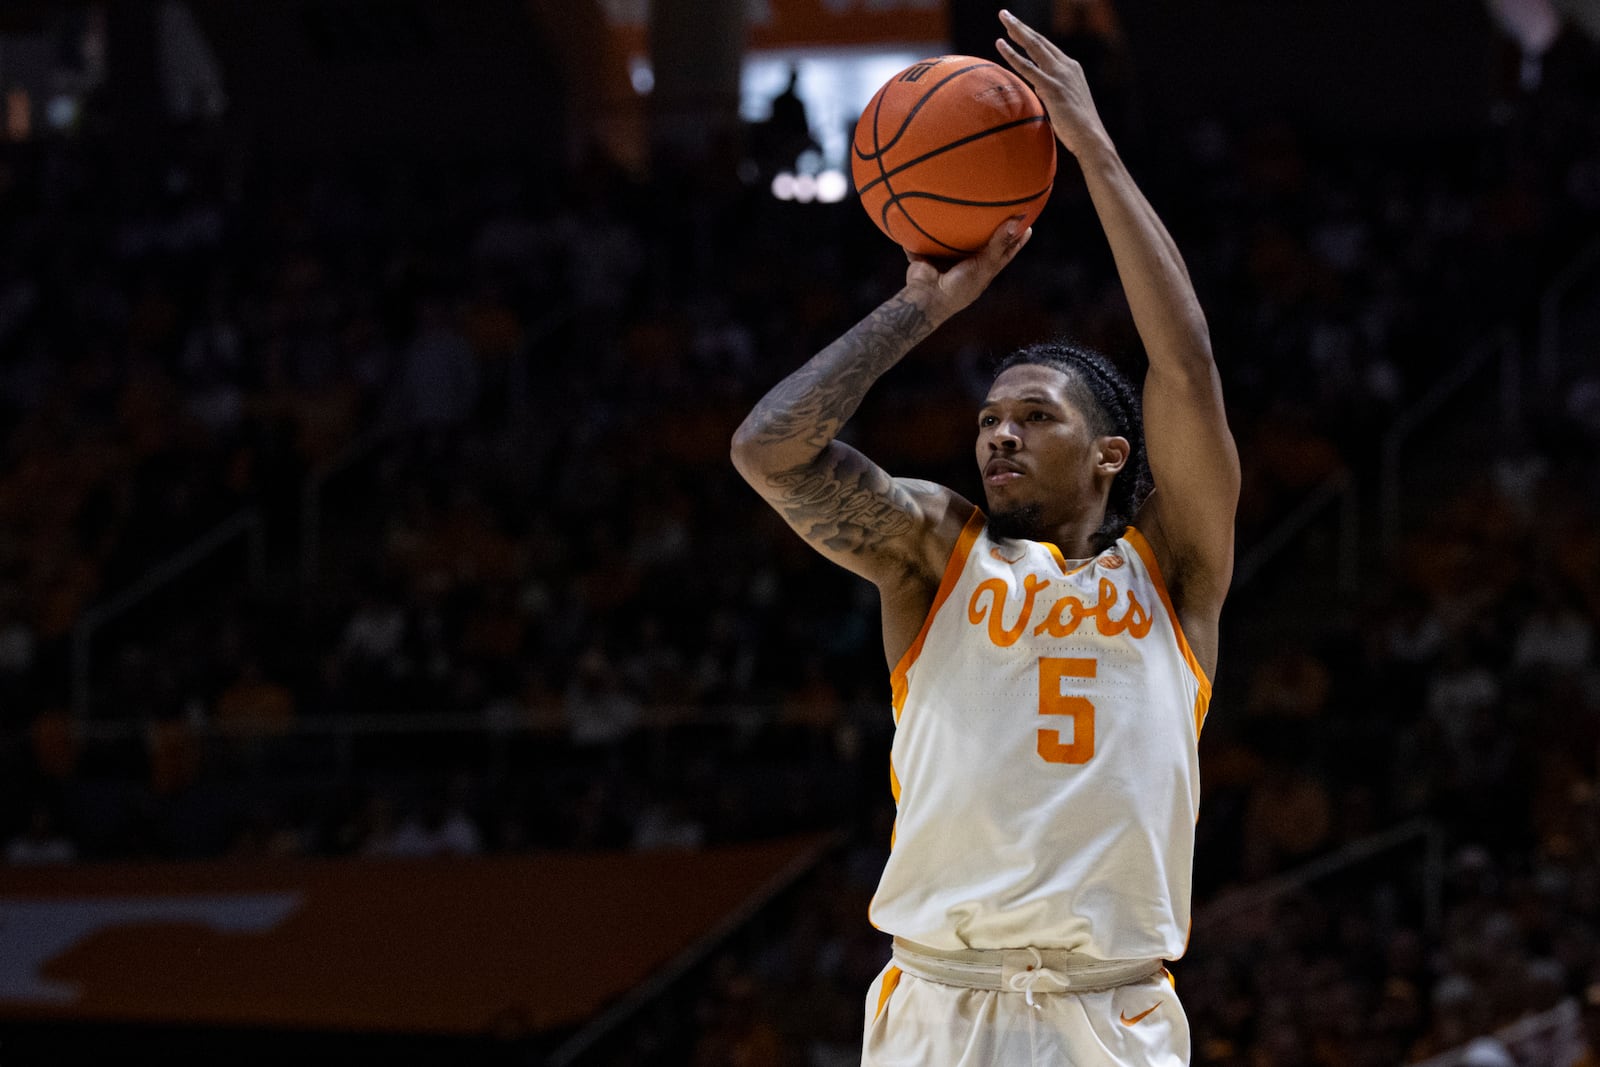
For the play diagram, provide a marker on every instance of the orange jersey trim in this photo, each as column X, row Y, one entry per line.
column 894, row 790
column 1061, row 561
column 1203, row 699
column 947, row 585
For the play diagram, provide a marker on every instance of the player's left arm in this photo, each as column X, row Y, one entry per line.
column 1189, row 519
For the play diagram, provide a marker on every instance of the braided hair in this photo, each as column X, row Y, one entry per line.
column 1110, row 403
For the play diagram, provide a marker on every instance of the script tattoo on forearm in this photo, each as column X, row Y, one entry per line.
column 812, row 403
column 838, row 506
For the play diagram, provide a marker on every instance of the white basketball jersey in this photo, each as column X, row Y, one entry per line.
column 1045, row 765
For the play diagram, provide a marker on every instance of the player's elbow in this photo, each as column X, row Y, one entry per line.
column 749, row 454
column 765, row 446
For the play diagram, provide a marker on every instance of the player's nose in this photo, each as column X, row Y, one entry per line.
column 1003, row 435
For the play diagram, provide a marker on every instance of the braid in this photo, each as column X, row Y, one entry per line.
column 1111, row 404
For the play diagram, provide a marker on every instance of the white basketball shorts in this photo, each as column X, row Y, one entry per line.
column 913, row 1022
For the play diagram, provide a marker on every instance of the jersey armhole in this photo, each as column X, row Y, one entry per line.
column 952, row 574
column 1148, row 555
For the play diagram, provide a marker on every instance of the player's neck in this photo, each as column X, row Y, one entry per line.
column 1074, row 546
column 1076, row 539
column 1073, row 534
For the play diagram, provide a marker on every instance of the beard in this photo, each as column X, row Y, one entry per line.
column 1023, row 522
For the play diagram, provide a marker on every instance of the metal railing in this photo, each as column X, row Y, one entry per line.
column 246, row 524
column 1502, row 344
column 1546, row 1039
column 596, row 1030
column 392, row 425
column 1250, row 899
column 311, row 491
column 1552, row 353
column 333, row 741
column 1336, row 493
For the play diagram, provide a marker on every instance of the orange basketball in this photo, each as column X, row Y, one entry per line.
column 947, row 150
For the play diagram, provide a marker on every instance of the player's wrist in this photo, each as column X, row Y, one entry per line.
column 924, row 296
column 934, row 304
column 1095, row 150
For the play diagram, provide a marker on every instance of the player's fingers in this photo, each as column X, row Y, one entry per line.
column 1005, row 241
column 1028, row 40
column 1016, row 246
column 1018, row 60
column 1010, row 250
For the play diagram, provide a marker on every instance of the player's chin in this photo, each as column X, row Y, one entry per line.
column 1005, row 496
column 1015, row 519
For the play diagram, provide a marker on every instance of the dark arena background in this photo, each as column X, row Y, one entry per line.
column 394, row 669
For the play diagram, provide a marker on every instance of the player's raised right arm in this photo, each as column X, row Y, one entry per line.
column 844, row 505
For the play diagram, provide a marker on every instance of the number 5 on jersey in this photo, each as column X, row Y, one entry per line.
column 1055, row 674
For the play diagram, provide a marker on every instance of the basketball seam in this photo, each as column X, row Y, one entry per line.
column 905, row 121
column 878, row 148
column 918, row 194
column 877, row 151
column 970, row 138
column 895, row 202
column 918, row 227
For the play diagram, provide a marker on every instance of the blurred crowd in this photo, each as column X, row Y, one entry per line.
column 481, row 409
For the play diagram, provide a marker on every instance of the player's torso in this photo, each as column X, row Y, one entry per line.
column 1044, row 760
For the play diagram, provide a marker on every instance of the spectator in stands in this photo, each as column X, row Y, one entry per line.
column 1555, row 635
column 174, row 353
column 253, row 703
column 438, row 826
column 1589, row 1005
column 41, row 841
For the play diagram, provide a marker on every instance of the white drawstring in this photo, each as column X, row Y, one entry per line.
column 1024, row 981
column 1019, row 970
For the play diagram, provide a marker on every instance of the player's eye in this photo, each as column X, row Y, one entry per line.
column 985, row 420
column 1038, row 416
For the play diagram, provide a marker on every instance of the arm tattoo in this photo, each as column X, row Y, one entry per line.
column 812, row 404
column 838, row 507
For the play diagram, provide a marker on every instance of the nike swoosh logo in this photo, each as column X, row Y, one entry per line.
column 995, row 552
column 1129, row 1022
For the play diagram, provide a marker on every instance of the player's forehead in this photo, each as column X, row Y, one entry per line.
column 1029, row 381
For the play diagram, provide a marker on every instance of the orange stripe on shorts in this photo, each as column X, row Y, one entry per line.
column 891, row 978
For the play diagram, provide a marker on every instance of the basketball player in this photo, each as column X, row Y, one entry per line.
column 1050, row 651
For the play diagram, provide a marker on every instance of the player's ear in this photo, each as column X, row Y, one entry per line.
column 1113, row 453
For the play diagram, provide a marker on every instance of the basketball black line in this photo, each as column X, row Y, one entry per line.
column 894, row 201
column 914, row 225
column 885, row 175
column 877, row 148
column 959, row 202
column 877, row 153
column 907, row 216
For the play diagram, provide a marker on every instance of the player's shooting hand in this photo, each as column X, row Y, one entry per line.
column 1058, row 81
column 943, row 287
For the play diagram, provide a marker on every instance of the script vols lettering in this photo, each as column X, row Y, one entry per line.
column 1063, row 618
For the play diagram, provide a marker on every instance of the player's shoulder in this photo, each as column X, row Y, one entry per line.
column 926, row 489
column 937, row 502
column 945, row 516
